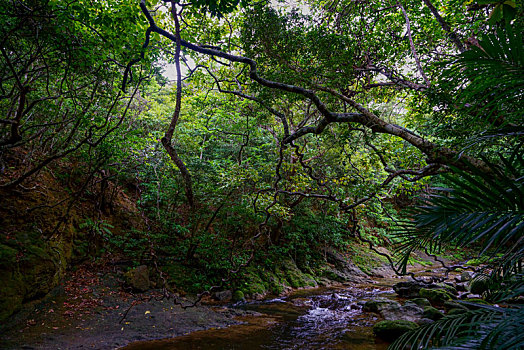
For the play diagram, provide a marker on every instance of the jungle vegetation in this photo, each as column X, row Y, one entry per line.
column 289, row 128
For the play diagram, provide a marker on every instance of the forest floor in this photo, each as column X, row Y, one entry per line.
column 87, row 312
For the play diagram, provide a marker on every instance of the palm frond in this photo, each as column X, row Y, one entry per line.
column 482, row 209
column 487, row 327
column 490, row 77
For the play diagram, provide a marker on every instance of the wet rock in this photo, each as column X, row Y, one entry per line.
column 464, row 276
column 432, row 313
column 225, row 295
column 409, row 289
column 419, row 302
column 435, row 296
column 391, row 330
column 471, row 296
column 138, row 278
column 409, row 312
column 380, row 304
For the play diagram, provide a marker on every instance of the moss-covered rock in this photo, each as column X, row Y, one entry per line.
column 408, row 289
column 432, row 313
column 138, row 278
column 456, row 311
column 454, row 305
column 419, row 302
column 435, row 296
column 380, row 304
column 29, row 268
column 391, row 330
column 448, row 288
column 238, row 295
column 479, row 285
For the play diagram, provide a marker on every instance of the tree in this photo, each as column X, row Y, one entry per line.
column 61, row 69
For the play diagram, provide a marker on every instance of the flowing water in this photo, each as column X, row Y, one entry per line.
column 329, row 318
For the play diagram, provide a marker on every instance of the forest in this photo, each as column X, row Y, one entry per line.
column 254, row 174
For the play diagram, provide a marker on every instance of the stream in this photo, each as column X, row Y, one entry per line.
column 322, row 318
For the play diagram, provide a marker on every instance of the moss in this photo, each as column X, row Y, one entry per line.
column 419, row 302
column 449, row 289
column 238, row 295
column 391, row 330
column 7, row 255
column 365, row 259
column 432, row 313
column 436, row 296
column 456, row 311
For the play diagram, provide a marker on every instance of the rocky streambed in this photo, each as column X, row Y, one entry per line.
column 358, row 316
column 94, row 313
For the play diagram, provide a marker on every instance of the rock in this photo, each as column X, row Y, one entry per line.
column 238, row 295
column 461, row 287
column 343, row 270
column 448, row 288
column 453, row 305
column 409, row 289
column 380, row 304
column 419, row 302
column 472, row 296
column 456, row 312
column 432, row 313
column 138, row 278
column 391, row 330
column 409, row 312
column 424, row 321
column 225, row 295
column 466, row 276
column 479, row 285
column 435, row 296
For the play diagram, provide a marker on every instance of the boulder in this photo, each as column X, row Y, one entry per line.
column 448, row 288
column 380, row 304
column 466, row 276
column 225, row 295
column 238, row 295
column 456, row 312
column 479, row 285
column 391, row 330
column 424, row 321
column 453, row 305
column 343, row 270
column 138, row 278
column 409, row 289
column 432, row 313
column 435, row 296
column 419, row 302
column 408, row 312
column 461, row 287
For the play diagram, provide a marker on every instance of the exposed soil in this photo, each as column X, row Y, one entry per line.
column 86, row 313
